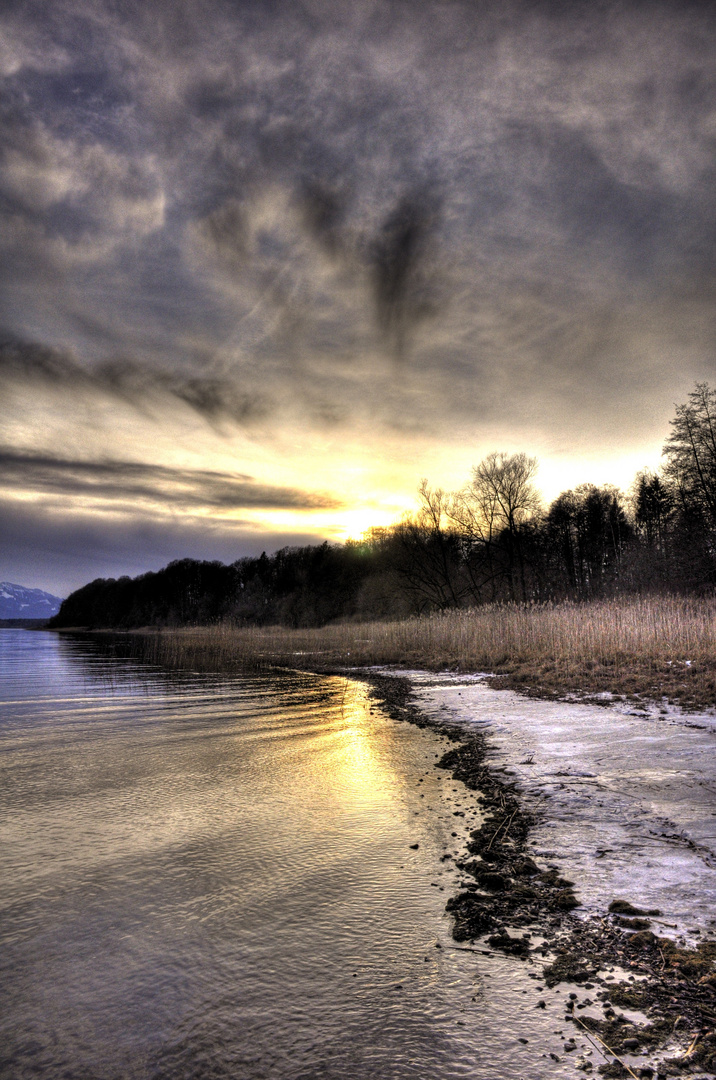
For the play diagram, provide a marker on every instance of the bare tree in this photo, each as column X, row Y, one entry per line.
column 493, row 511
column 430, row 562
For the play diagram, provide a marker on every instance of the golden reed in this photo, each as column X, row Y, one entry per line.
column 658, row 646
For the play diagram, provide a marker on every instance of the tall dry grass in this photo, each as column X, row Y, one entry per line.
column 650, row 645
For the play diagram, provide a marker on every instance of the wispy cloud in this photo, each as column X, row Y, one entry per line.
column 183, row 489
column 212, row 396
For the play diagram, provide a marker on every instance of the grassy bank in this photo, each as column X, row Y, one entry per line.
column 656, row 647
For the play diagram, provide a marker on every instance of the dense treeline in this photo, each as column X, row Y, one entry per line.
column 491, row 541
column 307, row 586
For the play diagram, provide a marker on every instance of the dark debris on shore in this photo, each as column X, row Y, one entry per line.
column 510, row 901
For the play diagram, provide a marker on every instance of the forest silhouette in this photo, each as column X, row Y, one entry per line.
column 493, row 541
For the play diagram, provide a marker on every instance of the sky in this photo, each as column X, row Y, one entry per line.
column 266, row 265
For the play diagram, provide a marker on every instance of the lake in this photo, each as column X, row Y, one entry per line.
column 217, row 877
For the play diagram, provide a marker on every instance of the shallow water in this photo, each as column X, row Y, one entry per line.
column 205, row 876
column 213, row 877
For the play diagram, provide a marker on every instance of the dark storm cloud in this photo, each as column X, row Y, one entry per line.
column 60, row 550
column 212, row 397
column 397, row 259
column 325, row 206
column 128, row 481
column 262, row 199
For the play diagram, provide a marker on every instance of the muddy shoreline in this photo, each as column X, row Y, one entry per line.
column 509, row 903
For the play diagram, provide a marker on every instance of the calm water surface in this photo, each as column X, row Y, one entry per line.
column 206, row 877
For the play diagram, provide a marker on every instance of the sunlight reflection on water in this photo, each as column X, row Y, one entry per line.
column 205, row 876
column 213, row 877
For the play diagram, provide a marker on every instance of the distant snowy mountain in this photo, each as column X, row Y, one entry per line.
column 17, row 602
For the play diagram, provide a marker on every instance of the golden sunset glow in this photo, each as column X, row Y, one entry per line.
column 250, row 299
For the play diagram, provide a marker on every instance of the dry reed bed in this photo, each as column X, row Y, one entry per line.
column 657, row 646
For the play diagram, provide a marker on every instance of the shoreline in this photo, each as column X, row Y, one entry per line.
column 511, row 904
column 659, row 649
column 682, row 684
column 662, row 1001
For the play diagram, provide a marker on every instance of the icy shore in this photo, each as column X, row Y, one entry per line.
column 624, row 801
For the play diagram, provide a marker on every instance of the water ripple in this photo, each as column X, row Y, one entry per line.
column 206, row 877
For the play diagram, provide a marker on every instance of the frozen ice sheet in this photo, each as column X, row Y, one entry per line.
column 625, row 803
